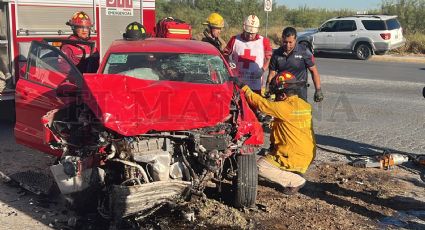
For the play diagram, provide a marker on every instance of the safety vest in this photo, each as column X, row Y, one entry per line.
column 249, row 58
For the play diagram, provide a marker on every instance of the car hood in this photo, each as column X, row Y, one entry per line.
column 307, row 32
column 131, row 106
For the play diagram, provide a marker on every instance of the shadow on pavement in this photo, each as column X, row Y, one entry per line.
column 348, row 145
column 354, row 147
column 335, row 55
column 349, row 149
column 44, row 210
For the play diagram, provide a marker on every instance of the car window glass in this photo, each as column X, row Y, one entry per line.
column 328, row 26
column 393, row 24
column 196, row 68
column 346, row 25
column 374, row 24
column 49, row 67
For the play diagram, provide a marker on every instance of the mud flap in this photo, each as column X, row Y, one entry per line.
column 129, row 200
column 34, row 182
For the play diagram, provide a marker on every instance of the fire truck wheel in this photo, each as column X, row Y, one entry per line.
column 246, row 181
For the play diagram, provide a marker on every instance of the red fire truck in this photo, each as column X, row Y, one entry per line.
column 23, row 21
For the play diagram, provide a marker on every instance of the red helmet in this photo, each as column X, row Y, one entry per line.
column 79, row 19
column 283, row 80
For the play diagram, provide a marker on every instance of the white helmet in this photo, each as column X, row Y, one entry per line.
column 251, row 24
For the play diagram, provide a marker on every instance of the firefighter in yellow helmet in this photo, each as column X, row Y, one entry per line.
column 292, row 142
column 214, row 23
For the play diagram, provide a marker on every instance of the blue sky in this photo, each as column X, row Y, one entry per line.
column 332, row 4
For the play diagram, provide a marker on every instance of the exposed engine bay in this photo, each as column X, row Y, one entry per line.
column 126, row 175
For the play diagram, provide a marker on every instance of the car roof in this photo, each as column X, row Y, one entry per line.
column 163, row 45
column 368, row 16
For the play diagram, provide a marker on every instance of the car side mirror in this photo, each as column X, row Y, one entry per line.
column 66, row 89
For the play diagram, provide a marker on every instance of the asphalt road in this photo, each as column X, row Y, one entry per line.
column 347, row 66
column 365, row 111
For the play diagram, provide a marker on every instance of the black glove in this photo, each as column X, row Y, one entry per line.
column 237, row 82
column 318, row 95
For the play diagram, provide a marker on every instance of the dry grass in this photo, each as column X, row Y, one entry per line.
column 273, row 33
column 415, row 43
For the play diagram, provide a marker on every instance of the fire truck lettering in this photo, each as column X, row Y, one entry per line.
column 119, row 3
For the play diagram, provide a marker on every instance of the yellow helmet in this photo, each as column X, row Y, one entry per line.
column 215, row 20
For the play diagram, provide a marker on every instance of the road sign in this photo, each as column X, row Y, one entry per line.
column 268, row 5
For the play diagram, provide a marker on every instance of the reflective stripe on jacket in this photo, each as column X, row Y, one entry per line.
column 292, row 135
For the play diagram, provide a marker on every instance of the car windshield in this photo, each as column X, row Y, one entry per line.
column 195, row 68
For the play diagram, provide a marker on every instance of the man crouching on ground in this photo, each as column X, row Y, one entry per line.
column 293, row 145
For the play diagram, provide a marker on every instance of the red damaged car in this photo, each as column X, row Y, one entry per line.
column 157, row 121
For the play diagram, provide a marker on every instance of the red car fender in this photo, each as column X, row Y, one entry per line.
column 249, row 125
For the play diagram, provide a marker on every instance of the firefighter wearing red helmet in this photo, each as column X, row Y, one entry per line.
column 293, row 145
column 81, row 55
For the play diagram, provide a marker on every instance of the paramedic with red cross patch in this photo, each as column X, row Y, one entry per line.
column 297, row 59
column 250, row 52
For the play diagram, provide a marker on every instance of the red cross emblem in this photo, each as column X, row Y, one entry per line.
column 246, row 58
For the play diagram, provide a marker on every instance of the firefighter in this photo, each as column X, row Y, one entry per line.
column 134, row 31
column 293, row 145
column 215, row 23
column 81, row 55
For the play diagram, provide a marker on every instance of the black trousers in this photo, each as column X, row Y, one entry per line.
column 302, row 93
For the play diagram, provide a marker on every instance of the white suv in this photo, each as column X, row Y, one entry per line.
column 362, row 35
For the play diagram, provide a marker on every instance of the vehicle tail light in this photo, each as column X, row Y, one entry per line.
column 386, row 36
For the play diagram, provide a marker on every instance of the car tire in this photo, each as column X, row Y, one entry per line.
column 246, row 181
column 307, row 45
column 363, row 51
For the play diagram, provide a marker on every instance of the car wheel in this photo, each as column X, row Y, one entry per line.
column 307, row 45
column 246, row 181
column 363, row 52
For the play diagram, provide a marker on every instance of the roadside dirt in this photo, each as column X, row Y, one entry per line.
column 337, row 196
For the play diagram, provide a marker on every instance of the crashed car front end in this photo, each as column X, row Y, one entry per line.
column 130, row 148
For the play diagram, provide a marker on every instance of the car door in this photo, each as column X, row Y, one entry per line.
column 324, row 38
column 345, row 34
column 35, row 95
